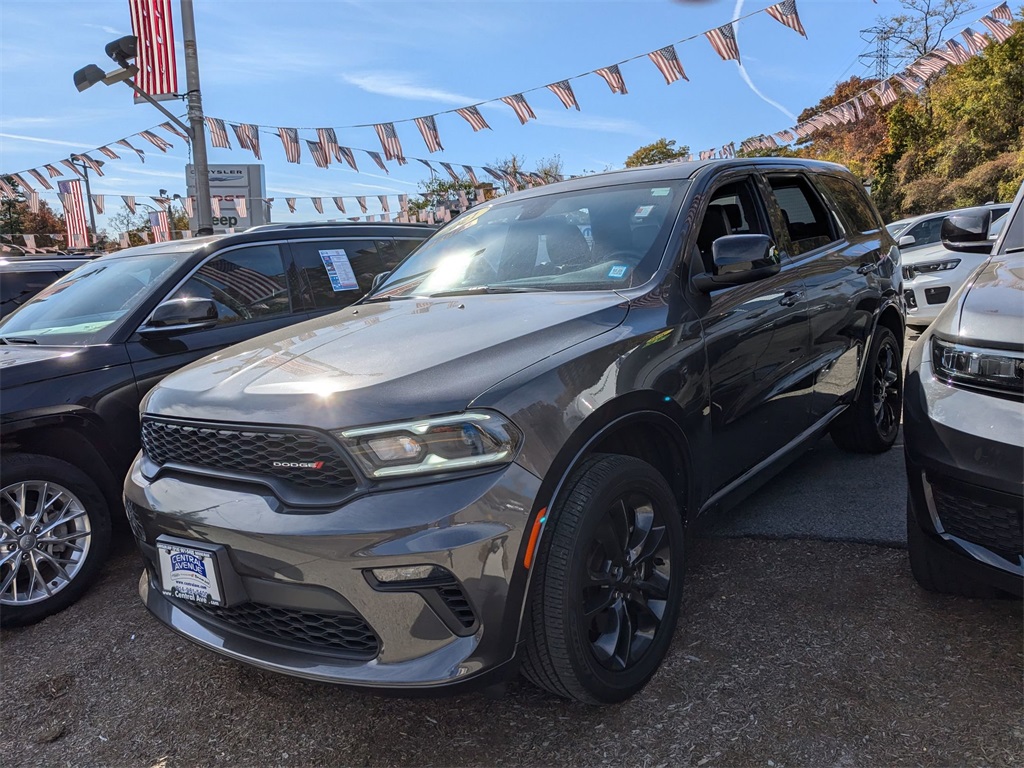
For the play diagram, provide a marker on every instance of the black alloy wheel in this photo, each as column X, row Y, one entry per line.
column 607, row 584
column 871, row 423
column 886, row 399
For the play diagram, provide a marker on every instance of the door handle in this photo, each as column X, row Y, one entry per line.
column 789, row 298
column 866, row 269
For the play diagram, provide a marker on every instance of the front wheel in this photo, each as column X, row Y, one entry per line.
column 54, row 537
column 871, row 422
column 608, row 586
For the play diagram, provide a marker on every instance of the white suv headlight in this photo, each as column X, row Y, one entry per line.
column 439, row 444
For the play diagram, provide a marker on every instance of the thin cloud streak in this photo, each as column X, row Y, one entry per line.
column 737, row 12
column 401, row 85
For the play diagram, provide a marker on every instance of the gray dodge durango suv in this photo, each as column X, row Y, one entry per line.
column 491, row 463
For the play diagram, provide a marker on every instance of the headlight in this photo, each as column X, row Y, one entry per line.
column 935, row 266
column 988, row 368
column 440, row 444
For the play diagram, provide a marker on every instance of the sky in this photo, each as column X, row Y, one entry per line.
column 341, row 63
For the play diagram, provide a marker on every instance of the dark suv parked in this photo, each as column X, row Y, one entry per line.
column 77, row 359
column 495, row 457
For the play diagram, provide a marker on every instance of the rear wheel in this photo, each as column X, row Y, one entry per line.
column 54, row 537
column 871, row 423
column 608, row 586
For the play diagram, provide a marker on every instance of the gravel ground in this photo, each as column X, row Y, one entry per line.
column 789, row 653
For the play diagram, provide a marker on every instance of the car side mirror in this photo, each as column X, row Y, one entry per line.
column 176, row 315
column 739, row 259
column 967, row 232
column 907, row 240
column 378, row 279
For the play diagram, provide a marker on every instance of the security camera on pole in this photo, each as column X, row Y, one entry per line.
column 123, row 51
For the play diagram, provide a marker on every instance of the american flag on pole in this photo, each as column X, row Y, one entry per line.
column 786, row 13
column 241, row 207
column 74, row 168
column 318, row 203
column 723, row 40
column 976, row 42
column 389, row 142
column 473, row 117
column 667, row 62
column 384, row 203
column 248, row 136
column 98, row 202
column 124, row 143
column 187, row 204
column 1000, row 32
column 129, row 202
column 290, row 202
column 428, row 130
column 173, row 129
column 156, row 141
column 152, row 24
column 339, row 203
column 346, row 154
column 451, row 171
column 375, row 156
column 886, row 93
column 1002, row 12
column 329, row 141
column 471, row 174
column 290, row 140
column 158, row 222
column 52, row 170
column 613, row 76
column 320, row 157
column 70, row 193
column 362, row 203
column 520, row 107
column 563, row 91
column 41, row 179
column 218, row 132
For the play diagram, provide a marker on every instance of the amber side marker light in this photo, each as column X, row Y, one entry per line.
column 531, row 547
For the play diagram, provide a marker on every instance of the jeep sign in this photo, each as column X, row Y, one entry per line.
column 226, row 183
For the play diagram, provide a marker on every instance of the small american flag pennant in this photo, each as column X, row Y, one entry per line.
column 389, row 142
column 473, row 117
column 520, row 107
column 723, row 40
column 428, row 130
column 613, row 76
column 667, row 62
column 564, row 92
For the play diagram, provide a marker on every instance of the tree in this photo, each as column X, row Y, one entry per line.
column 661, row 151
column 923, row 24
column 17, row 219
column 441, row 193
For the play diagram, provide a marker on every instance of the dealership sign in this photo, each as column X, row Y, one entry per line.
column 227, row 183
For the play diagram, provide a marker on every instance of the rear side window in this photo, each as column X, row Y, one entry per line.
column 852, row 203
column 245, row 284
column 804, row 213
column 18, row 287
column 334, row 273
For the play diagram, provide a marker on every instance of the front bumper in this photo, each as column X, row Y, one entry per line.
column 964, row 452
column 294, row 569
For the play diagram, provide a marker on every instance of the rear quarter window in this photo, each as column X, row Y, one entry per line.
column 852, row 203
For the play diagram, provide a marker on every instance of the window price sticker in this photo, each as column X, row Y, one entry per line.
column 339, row 270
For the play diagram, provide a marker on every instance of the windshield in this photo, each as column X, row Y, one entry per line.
column 83, row 307
column 585, row 240
column 997, row 226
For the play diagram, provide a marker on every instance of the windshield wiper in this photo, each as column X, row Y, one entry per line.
column 17, row 340
column 481, row 289
column 375, row 299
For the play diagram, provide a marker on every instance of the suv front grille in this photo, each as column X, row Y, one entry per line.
column 344, row 634
column 274, row 454
column 995, row 521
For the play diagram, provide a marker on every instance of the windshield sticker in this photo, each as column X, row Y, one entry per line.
column 643, row 211
column 619, row 270
column 339, row 270
column 660, row 191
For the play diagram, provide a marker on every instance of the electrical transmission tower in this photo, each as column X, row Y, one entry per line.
column 880, row 36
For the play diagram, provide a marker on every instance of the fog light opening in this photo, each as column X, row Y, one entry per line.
column 404, row 573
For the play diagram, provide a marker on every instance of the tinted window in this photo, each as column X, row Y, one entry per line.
column 327, row 269
column 928, row 231
column 804, row 213
column 245, row 284
column 735, row 209
column 392, row 252
column 18, row 287
column 852, row 202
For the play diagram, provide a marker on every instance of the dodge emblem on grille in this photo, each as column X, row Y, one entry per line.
column 299, row 464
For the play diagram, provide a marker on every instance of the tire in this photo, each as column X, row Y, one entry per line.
column 872, row 422
column 28, row 592
column 583, row 560
column 938, row 570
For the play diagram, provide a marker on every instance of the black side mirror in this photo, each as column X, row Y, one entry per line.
column 967, row 232
column 180, row 315
column 378, row 279
column 739, row 259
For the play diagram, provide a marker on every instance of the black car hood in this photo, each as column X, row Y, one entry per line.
column 30, row 364
column 384, row 361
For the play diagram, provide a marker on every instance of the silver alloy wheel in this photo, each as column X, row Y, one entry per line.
column 44, row 540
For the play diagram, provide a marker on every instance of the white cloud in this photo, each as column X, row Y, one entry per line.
column 402, row 85
column 103, row 28
column 37, row 140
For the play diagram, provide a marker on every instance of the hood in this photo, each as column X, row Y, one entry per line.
column 927, row 253
column 382, row 362
column 992, row 308
column 30, row 364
